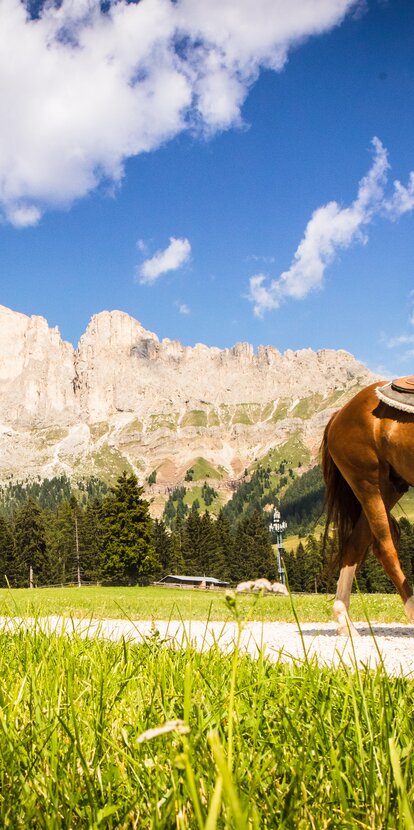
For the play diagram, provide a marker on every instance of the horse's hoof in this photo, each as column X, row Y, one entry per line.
column 345, row 627
column 348, row 630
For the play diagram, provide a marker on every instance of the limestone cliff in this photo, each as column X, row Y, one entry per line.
column 36, row 373
column 121, row 367
column 125, row 398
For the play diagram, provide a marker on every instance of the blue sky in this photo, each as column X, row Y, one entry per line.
column 232, row 182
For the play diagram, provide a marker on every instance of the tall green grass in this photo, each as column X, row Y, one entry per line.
column 169, row 603
column 244, row 744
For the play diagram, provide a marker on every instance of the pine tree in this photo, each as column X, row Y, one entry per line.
column 373, row 575
column 313, row 564
column 90, row 539
column 128, row 552
column 253, row 555
column 406, row 548
column 7, row 554
column 330, row 567
column 60, row 532
column 210, row 548
column 177, row 563
column 192, row 545
column 300, row 566
column 163, row 545
column 294, row 564
column 31, row 547
column 225, row 551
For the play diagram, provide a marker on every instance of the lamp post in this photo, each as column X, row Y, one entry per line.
column 277, row 527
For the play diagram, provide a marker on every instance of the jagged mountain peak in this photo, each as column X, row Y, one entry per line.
column 124, row 397
column 116, row 326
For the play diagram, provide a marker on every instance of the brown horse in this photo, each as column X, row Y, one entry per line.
column 368, row 463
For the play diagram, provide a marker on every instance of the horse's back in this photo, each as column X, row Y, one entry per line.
column 366, row 433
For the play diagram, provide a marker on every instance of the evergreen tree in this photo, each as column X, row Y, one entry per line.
column 7, row 554
column 208, row 494
column 313, row 564
column 294, row 564
column 406, row 548
column 253, row 555
column 225, row 551
column 192, row 545
column 300, row 566
column 289, row 562
column 177, row 563
column 48, row 493
column 31, row 548
column 163, row 545
column 60, row 534
column 210, row 548
column 89, row 539
column 330, row 567
column 169, row 512
column 128, row 552
column 372, row 578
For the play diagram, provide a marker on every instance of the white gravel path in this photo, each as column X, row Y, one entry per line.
column 280, row 641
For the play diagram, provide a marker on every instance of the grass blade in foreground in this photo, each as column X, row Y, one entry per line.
column 310, row 746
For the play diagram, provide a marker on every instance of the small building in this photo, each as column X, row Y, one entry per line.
column 180, row 581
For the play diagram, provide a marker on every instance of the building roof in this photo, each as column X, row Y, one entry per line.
column 195, row 579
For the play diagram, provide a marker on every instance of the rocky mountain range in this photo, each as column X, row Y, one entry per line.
column 125, row 399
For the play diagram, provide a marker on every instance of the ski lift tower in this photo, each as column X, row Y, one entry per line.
column 277, row 527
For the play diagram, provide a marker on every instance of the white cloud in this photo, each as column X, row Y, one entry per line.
column 82, row 90
column 24, row 216
column 402, row 199
column 142, row 246
column 330, row 228
column 183, row 308
column 176, row 254
column 266, row 259
column 400, row 340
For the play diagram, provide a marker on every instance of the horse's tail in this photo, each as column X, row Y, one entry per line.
column 341, row 505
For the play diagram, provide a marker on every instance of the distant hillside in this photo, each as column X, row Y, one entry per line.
column 303, row 501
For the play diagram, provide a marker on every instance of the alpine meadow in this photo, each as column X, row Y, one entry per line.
column 206, row 415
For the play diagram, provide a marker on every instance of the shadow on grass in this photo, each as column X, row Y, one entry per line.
column 365, row 630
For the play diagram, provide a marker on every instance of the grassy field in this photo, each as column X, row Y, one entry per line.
column 406, row 506
column 169, row 603
column 236, row 743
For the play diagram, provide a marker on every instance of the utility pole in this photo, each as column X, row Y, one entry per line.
column 277, row 527
column 30, row 576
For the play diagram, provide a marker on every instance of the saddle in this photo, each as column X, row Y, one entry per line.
column 398, row 393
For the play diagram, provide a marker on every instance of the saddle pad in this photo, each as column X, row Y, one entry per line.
column 396, row 395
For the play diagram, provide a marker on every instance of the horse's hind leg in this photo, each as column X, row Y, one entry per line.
column 363, row 534
column 384, row 546
column 352, row 555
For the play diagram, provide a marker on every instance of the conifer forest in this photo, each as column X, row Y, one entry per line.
column 60, row 532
